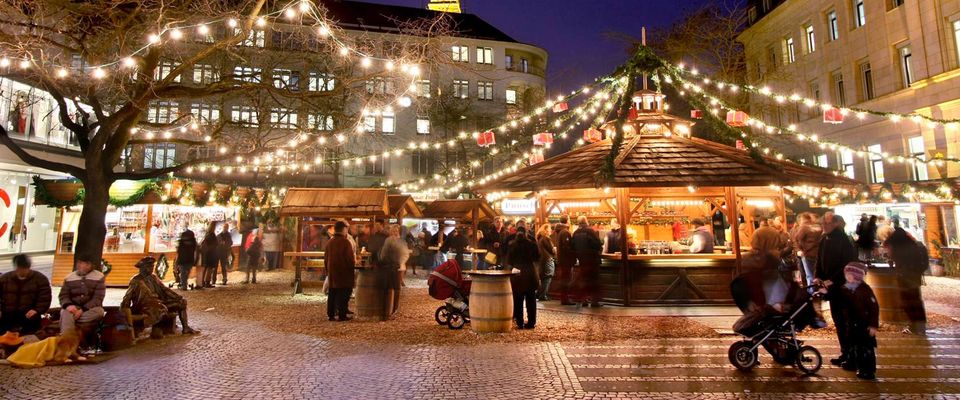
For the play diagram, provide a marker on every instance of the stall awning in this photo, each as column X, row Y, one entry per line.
column 459, row 209
column 662, row 161
column 310, row 202
column 402, row 206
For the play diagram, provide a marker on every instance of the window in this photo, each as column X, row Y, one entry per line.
column 811, row 39
column 247, row 74
column 815, row 95
column 789, row 51
column 205, row 74
column 163, row 112
column 524, row 65
column 859, row 14
column 202, row 152
column 906, row 69
column 370, row 124
column 511, row 96
column 423, row 126
column 286, row 79
column 246, row 116
column 919, row 150
column 821, row 161
column 423, row 88
column 205, row 113
column 876, row 163
column 895, row 3
column 320, row 122
column 461, row 88
column 254, row 37
column 379, row 86
column 78, row 63
column 485, row 90
column 388, row 123
column 839, row 94
column 159, row 155
column 508, row 61
column 484, row 55
column 283, row 118
column 833, row 26
column 321, row 82
column 956, row 36
column 846, row 163
column 376, row 167
column 866, row 75
column 772, row 59
column 461, row 53
column 164, row 69
column 422, row 162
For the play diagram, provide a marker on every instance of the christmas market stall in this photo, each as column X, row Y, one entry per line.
column 655, row 185
column 456, row 214
column 145, row 218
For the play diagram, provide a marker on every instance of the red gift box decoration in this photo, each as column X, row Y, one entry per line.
column 740, row 145
column 696, row 114
column 592, row 135
column 486, row 139
column 737, row 118
column 542, row 139
column 833, row 115
column 561, row 107
column 536, row 157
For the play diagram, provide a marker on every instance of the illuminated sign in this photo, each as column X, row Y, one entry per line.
column 518, row 206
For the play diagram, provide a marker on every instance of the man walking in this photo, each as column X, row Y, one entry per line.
column 835, row 252
column 587, row 245
column 566, row 258
column 340, row 261
column 225, row 248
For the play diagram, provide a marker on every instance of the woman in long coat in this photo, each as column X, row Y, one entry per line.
column 548, row 259
column 524, row 255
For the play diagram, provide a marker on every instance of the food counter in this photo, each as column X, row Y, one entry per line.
column 667, row 278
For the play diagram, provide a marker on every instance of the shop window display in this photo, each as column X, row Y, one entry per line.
column 24, row 226
column 170, row 221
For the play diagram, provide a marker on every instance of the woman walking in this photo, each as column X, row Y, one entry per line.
column 254, row 256
column 186, row 257
column 393, row 254
column 209, row 258
column 548, row 259
column 524, row 255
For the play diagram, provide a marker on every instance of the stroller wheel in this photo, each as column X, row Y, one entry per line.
column 809, row 360
column 741, row 356
column 442, row 315
column 456, row 320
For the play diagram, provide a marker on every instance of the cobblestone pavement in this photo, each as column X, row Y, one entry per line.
column 240, row 359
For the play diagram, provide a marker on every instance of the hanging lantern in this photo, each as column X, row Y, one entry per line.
column 542, row 139
column 561, row 107
column 536, row 157
column 592, row 135
column 486, row 139
column 737, row 118
column 740, row 145
column 634, row 113
column 832, row 115
column 696, row 114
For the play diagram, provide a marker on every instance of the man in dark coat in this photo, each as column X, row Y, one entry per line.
column 835, row 252
column 225, row 247
column 493, row 239
column 566, row 258
column 587, row 246
column 523, row 255
column 340, row 261
column 862, row 316
column 147, row 295
column 25, row 294
column 910, row 260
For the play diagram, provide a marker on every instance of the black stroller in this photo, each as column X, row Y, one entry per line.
column 775, row 331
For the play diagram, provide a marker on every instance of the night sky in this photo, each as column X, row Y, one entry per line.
column 575, row 33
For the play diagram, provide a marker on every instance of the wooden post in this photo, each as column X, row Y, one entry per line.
column 540, row 211
column 734, row 217
column 623, row 217
column 148, row 229
column 476, row 233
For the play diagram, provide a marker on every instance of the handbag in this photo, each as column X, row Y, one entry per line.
column 490, row 258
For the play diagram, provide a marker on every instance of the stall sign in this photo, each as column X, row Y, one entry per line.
column 424, row 197
column 518, row 206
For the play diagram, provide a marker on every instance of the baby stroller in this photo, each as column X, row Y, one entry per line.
column 775, row 331
column 446, row 283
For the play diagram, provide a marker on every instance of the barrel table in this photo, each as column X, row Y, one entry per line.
column 491, row 301
column 883, row 280
column 369, row 295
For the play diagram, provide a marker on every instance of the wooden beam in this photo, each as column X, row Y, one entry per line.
column 623, row 216
column 733, row 215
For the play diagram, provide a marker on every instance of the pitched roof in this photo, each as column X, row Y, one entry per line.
column 459, row 209
column 312, row 202
column 659, row 161
column 371, row 17
column 402, row 205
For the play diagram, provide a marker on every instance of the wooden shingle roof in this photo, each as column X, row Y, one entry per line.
column 659, row 161
column 310, row 202
column 402, row 206
column 459, row 209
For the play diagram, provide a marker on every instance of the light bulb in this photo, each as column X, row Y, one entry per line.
column 176, row 34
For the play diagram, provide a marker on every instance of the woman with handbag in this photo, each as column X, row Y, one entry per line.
column 548, row 255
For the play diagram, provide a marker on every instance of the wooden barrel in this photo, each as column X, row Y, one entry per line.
column 369, row 295
column 886, row 287
column 491, row 303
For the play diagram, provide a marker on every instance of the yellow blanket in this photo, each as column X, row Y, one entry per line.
column 34, row 354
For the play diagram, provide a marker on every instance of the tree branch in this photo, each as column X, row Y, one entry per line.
column 28, row 158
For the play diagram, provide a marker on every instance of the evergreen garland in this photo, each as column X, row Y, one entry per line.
column 45, row 197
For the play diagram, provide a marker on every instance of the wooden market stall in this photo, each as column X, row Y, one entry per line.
column 661, row 180
column 147, row 225
column 468, row 212
column 403, row 206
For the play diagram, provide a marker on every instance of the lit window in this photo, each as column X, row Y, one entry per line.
column 956, row 36
column 524, row 65
column 508, row 62
column 164, row 69
column 918, row 149
column 876, row 163
column 321, row 82
column 205, row 74
column 811, row 39
column 484, row 55
column 461, row 53
column 388, row 123
column 461, row 88
column 423, row 88
column 485, row 90
column 254, row 38
column 846, row 163
column 286, row 79
column 789, row 50
column 163, row 112
column 866, row 74
column 246, row 116
column 511, row 96
column 159, row 155
column 320, row 122
column 833, row 25
column 369, row 123
column 283, row 118
column 206, row 113
column 423, row 126
column 379, row 86
column 247, row 74
column 821, row 161
column 840, row 93
column 859, row 13
column 906, row 68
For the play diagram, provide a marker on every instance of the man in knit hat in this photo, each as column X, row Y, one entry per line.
column 862, row 320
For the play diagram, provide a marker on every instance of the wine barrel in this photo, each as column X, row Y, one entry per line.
column 491, row 301
column 886, row 287
column 369, row 295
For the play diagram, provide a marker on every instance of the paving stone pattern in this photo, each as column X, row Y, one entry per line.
column 240, row 359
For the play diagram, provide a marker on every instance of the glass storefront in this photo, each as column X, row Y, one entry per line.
column 170, row 221
column 31, row 114
column 24, row 226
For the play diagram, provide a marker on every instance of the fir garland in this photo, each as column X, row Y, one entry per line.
column 44, row 196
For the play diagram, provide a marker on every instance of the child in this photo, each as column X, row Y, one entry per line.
column 862, row 320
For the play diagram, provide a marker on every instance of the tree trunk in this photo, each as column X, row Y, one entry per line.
column 92, row 229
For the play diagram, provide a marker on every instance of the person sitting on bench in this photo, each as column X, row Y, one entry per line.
column 148, row 296
column 81, row 296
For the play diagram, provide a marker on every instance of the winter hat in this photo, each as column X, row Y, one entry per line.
column 857, row 269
